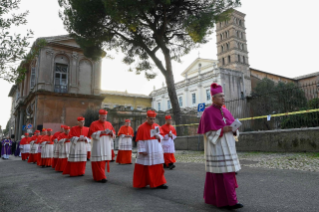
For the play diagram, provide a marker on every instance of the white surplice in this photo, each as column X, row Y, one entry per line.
column 125, row 143
column 102, row 147
column 154, row 151
column 78, row 149
column 64, row 148
column 220, row 152
column 168, row 144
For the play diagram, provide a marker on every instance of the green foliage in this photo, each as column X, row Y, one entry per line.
column 303, row 120
column 139, row 28
column 19, row 73
column 271, row 98
column 13, row 46
column 90, row 115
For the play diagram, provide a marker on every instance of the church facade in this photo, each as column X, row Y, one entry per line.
column 60, row 84
column 231, row 70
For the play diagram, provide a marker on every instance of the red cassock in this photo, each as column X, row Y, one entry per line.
column 148, row 168
column 63, row 154
column 124, row 155
column 33, row 156
column 47, row 160
column 55, row 159
column 102, row 148
column 78, row 152
column 168, row 148
column 24, row 141
column 39, row 141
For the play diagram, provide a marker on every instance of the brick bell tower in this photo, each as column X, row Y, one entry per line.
column 232, row 52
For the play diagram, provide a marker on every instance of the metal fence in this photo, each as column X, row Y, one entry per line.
column 271, row 101
column 285, row 98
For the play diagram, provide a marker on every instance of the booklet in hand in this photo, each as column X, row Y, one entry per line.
column 154, row 131
column 235, row 125
column 107, row 131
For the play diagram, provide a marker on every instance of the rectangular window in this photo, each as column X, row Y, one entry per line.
column 61, row 78
column 180, row 101
column 208, row 97
column 194, row 98
column 158, row 106
column 32, row 80
column 168, row 104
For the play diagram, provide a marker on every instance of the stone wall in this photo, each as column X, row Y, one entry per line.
column 290, row 140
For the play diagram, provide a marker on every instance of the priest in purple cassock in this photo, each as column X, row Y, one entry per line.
column 6, row 148
column 221, row 160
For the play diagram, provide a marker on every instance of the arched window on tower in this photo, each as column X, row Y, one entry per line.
column 227, row 46
column 221, row 37
column 244, row 60
column 229, row 60
column 239, row 58
column 242, row 35
column 222, row 48
column 239, row 23
column 223, row 61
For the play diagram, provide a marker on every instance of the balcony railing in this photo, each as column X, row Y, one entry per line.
column 60, row 88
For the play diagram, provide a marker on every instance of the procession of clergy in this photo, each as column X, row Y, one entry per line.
column 68, row 150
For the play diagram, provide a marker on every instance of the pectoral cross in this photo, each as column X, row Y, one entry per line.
column 225, row 120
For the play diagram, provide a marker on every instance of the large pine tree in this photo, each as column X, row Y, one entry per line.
column 140, row 28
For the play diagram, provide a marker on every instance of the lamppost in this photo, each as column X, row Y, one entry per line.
column 28, row 117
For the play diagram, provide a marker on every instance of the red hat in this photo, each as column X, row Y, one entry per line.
column 127, row 120
column 26, row 134
column 37, row 131
column 102, row 112
column 215, row 89
column 62, row 126
column 49, row 130
column 44, row 130
column 168, row 117
column 81, row 118
column 66, row 127
column 151, row 113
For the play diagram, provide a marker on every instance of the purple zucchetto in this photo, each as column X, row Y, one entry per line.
column 215, row 89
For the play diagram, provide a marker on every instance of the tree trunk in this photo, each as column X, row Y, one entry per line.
column 170, row 82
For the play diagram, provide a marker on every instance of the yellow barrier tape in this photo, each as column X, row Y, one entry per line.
column 262, row 117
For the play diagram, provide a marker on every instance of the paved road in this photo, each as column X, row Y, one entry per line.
column 26, row 187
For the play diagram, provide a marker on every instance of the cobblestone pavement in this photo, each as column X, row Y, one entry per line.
column 290, row 161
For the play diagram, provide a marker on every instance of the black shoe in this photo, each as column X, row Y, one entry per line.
column 162, row 186
column 165, row 166
column 112, row 160
column 233, row 207
column 103, row 181
column 171, row 166
column 43, row 166
column 88, row 160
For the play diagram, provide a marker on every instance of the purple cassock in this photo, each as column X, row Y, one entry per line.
column 219, row 187
column 6, row 148
column 17, row 152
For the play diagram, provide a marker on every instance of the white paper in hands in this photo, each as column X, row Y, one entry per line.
column 154, row 132
column 235, row 125
column 107, row 131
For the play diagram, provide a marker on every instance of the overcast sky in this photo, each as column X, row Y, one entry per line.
column 282, row 38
